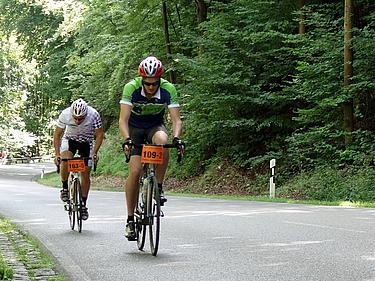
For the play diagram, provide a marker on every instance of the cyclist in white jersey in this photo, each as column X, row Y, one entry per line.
column 77, row 127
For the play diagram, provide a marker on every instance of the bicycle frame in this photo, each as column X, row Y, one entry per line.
column 149, row 175
column 148, row 209
column 74, row 204
column 75, row 200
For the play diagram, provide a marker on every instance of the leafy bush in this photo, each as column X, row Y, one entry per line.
column 332, row 185
column 112, row 159
column 6, row 273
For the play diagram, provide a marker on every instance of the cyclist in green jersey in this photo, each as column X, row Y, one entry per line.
column 142, row 109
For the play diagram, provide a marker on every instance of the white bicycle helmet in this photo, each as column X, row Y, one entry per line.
column 79, row 108
column 151, row 67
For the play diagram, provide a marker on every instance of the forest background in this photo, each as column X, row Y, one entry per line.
column 291, row 80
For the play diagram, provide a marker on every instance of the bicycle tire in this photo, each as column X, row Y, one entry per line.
column 71, row 212
column 79, row 205
column 154, row 226
column 140, row 226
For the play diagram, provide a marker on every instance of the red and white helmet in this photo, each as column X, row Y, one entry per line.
column 151, row 67
column 79, row 108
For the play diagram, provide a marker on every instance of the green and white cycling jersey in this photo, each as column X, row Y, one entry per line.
column 148, row 112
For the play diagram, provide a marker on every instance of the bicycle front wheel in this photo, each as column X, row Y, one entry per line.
column 140, row 225
column 72, row 204
column 79, row 205
column 154, row 212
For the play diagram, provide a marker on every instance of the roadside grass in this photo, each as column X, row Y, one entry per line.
column 50, row 179
column 277, row 200
column 28, row 251
column 6, row 273
column 53, row 180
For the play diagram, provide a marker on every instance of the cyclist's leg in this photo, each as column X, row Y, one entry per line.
column 85, row 150
column 131, row 194
column 132, row 183
column 66, row 151
column 85, row 187
column 64, row 165
column 160, row 136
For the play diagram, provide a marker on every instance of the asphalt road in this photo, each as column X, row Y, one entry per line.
column 201, row 239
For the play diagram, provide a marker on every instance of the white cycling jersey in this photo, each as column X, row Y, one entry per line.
column 83, row 132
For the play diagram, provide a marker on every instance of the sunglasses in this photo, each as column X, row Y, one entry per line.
column 79, row 118
column 157, row 83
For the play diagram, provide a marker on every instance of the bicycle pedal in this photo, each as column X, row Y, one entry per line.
column 131, row 237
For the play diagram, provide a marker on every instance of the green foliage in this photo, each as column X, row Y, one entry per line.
column 236, row 107
column 6, row 273
column 111, row 40
column 317, row 88
column 251, row 88
column 112, row 159
column 13, row 83
column 332, row 185
column 35, row 27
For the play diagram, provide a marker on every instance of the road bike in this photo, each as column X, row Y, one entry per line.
column 148, row 209
column 74, row 204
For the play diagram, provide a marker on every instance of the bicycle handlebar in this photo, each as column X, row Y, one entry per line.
column 167, row 145
column 74, row 158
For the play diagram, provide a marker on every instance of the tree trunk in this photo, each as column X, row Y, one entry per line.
column 201, row 11
column 301, row 25
column 201, row 17
column 166, row 38
column 348, row 71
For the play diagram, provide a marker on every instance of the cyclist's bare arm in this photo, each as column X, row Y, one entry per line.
column 125, row 111
column 57, row 135
column 99, row 136
column 176, row 121
column 123, row 121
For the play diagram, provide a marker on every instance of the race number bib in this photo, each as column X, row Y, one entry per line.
column 152, row 154
column 76, row 165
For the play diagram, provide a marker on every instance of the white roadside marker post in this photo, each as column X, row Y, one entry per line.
column 42, row 173
column 272, row 178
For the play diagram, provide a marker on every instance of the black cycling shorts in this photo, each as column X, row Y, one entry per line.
column 83, row 149
column 141, row 136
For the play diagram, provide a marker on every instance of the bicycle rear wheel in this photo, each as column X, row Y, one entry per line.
column 140, row 216
column 154, row 226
